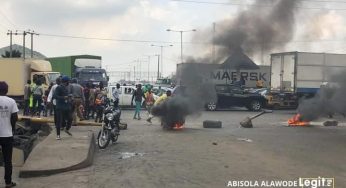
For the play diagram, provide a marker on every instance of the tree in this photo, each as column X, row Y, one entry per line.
column 15, row 53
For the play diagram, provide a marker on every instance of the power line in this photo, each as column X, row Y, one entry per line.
column 264, row 5
column 104, row 39
column 170, row 42
column 230, row 3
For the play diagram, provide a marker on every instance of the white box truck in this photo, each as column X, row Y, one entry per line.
column 303, row 73
column 300, row 74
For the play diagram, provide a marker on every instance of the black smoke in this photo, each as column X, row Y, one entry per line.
column 250, row 30
column 328, row 101
column 189, row 97
column 265, row 26
column 254, row 31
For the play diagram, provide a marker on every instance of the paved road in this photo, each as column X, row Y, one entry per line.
column 197, row 157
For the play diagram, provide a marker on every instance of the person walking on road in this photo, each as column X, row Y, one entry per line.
column 149, row 102
column 9, row 117
column 138, row 96
column 116, row 93
column 86, row 92
column 92, row 97
column 37, row 92
column 52, row 100
column 63, row 106
column 27, row 94
column 78, row 101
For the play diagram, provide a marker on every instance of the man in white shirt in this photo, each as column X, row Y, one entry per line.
column 116, row 93
column 50, row 99
column 8, row 118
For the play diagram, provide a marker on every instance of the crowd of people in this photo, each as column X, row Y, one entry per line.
column 68, row 101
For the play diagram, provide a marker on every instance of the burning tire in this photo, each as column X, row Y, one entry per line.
column 255, row 105
column 211, row 106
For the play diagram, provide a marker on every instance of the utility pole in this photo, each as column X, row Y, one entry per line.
column 9, row 32
column 161, row 47
column 140, row 69
column 24, row 33
column 32, row 33
column 148, row 68
column 181, row 40
column 158, row 66
column 213, row 50
column 134, row 73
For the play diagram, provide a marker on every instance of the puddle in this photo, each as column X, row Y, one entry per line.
column 244, row 139
column 126, row 155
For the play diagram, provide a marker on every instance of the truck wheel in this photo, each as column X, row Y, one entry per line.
column 211, row 106
column 255, row 105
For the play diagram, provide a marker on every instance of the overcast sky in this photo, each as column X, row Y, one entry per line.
column 147, row 20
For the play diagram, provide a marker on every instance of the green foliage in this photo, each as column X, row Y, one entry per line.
column 15, row 53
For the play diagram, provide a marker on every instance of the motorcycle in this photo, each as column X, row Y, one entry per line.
column 110, row 124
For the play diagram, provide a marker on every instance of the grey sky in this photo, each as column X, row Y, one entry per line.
column 148, row 20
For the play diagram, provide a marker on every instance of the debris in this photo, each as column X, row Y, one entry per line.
column 246, row 123
column 126, row 155
column 244, row 139
column 215, row 143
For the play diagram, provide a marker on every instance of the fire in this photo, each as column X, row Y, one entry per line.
column 178, row 126
column 296, row 121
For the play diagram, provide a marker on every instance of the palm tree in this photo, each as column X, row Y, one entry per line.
column 15, row 53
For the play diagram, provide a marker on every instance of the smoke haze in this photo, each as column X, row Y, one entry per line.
column 249, row 31
column 329, row 100
column 188, row 99
column 256, row 30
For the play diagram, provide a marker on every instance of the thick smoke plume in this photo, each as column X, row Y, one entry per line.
column 253, row 30
column 265, row 26
column 328, row 101
column 189, row 98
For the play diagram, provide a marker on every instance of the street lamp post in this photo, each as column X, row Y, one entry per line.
column 148, row 56
column 181, row 40
column 161, row 46
column 158, row 66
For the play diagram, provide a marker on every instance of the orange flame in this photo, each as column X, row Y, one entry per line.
column 296, row 121
column 178, row 126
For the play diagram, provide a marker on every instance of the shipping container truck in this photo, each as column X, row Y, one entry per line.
column 212, row 73
column 301, row 74
column 16, row 72
column 85, row 68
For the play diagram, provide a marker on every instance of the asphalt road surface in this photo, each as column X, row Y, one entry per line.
column 147, row 156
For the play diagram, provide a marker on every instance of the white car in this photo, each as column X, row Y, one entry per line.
column 126, row 94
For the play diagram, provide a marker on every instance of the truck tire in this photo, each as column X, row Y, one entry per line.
column 211, row 106
column 212, row 124
column 255, row 105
